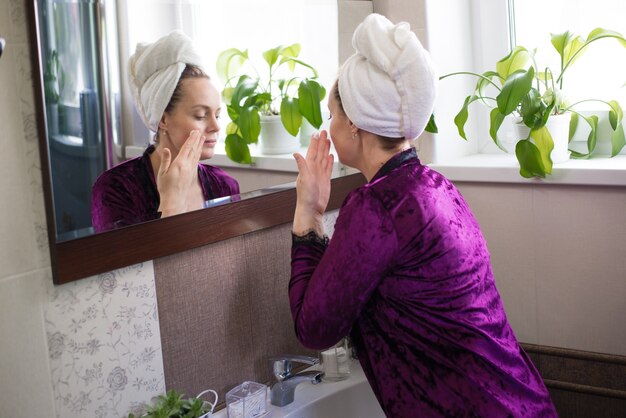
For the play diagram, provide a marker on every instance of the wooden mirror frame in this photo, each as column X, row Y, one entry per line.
column 98, row 253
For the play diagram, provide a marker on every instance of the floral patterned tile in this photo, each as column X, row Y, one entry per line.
column 19, row 26
column 104, row 343
column 30, row 148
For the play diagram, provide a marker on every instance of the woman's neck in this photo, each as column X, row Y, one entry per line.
column 373, row 156
column 157, row 155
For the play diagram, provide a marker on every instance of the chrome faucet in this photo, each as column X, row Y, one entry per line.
column 282, row 391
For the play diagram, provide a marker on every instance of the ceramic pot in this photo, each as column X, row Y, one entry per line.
column 558, row 126
column 274, row 138
column 306, row 130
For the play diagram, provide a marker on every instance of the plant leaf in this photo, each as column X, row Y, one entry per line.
column 529, row 159
column 233, row 112
column 615, row 114
column 291, row 51
column 531, row 108
column 571, row 52
column 461, row 118
column 617, row 140
column 309, row 102
column 560, row 41
column 482, row 84
column 545, row 144
column 229, row 62
column 573, row 125
column 516, row 86
column 227, row 94
column 290, row 115
column 292, row 63
column 496, row 121
column 518, row 59
column 431, row 126
column 598, row 33
column 237, row 149
column 244, row 88
column 591, row 139
column 271, row 56
column 249, row 124
column 258, row 100
column 232, row 128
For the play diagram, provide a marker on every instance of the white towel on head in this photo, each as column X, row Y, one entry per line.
column 154, row 73
column 388, row 86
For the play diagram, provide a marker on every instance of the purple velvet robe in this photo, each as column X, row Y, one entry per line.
column 407, row 274
column 127, row 193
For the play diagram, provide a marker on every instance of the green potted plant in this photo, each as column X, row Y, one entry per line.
column 534, row 96
column 52, row 84
column 253, row 101
column 174, row 405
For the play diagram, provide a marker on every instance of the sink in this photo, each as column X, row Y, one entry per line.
column 349, row 398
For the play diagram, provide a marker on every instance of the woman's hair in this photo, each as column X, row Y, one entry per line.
column 190, row 71
column 387, row 143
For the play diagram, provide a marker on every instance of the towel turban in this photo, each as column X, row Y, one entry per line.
column 388, row 86
column 154, row 73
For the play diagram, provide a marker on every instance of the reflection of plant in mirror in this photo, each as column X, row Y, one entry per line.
column 282, row 93
column 172, row 405
column 534, row 95
column 51, row 78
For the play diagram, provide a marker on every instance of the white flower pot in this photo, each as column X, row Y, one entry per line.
column 306, row 130
column 275, row 139
column 558, row 126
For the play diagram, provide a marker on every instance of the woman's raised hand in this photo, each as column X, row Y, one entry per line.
column 175, row 178
column 313, row 184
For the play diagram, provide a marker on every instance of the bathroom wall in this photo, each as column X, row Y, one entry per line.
column 90, row 348
column 236, row 313
column 68, row 351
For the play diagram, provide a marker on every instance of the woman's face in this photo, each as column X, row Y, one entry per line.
column 341, row 133
column 198, row 108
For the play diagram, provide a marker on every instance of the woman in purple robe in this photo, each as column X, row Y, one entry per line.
column 407, row 273
column 177, row 100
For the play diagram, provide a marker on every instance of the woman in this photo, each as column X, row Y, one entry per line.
column 177, row 100
column 407, row 273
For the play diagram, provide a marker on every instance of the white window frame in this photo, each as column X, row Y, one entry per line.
column 480, row 30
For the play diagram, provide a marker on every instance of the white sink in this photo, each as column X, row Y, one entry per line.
column 350, row 398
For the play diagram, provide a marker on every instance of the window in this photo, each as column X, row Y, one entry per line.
column 597, row 74
column 473, row 36
column 216, row 25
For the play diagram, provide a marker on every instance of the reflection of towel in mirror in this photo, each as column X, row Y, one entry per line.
column 388, row 86
column 154, row 73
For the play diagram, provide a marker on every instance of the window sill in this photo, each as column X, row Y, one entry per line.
column 266, row 162
column 499, row 168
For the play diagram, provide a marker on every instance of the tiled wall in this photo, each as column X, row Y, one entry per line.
column 87, row 349
column 24, row 367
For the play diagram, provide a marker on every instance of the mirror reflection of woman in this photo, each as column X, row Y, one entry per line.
column 177, row 100
column 407, row 273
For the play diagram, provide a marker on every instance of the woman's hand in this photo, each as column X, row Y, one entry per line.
column 175, row 178
column 313, row 185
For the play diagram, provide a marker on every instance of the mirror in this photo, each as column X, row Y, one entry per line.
column 91, row 121
column 71, row 125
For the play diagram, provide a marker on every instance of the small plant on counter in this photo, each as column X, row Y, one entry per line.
column 533, row 95
column 249, row 96
column 173, row 405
